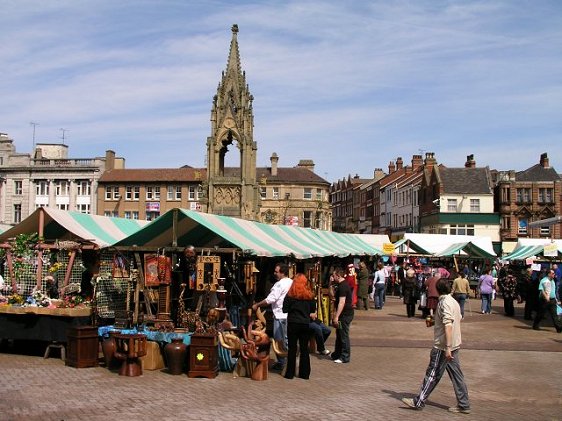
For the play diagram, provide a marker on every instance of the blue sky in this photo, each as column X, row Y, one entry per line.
column 349, row 84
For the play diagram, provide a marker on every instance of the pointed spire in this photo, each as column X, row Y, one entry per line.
column 233, row 65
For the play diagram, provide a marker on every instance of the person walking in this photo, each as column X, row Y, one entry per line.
column 508, row 289
column 299, row 304
column 444, row 355
column 363, row 287
column 410, row 292
column 461, row 290
column 432, row 294
column 342, row 319
column 531, row 291
column 547, row 302
column 486, row 286
column 275, row 299
column 379, row 284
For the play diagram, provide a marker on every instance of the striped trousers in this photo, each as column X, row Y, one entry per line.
column 437, row 365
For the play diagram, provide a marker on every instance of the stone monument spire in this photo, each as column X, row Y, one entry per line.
column 232, row 191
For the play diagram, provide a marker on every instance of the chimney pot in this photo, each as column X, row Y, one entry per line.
column 274, row 159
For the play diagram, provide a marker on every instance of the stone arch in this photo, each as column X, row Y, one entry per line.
column 227, row 158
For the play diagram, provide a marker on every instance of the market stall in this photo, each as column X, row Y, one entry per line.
column 45, row 260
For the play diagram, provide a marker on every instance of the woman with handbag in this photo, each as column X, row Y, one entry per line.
column 486, row 286
column 379, row 285
column 409, row 291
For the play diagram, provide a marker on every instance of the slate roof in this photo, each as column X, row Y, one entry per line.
column 465, row 180
column 286, row 175
column 148, row 175
column 537, row 173
column 186, row 174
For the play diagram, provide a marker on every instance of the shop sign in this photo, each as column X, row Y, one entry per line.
column 388, row 248
column 551, row 250
column 153, row 206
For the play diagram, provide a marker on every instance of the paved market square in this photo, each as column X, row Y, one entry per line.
column 512, row 372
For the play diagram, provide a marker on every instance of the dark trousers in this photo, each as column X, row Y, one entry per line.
column 411, row 309
column 508, row 306
column 342, row 349
column 438, row 364
column 298, row 335
column 550, row 308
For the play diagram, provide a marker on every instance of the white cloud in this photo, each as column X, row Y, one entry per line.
column 349, row 85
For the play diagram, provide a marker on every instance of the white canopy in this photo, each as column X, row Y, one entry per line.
column 444, row 245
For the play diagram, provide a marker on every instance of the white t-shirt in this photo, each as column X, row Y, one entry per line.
column 277, row 296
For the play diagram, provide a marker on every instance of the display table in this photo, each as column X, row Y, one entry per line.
column 41, row 323
column 151, row 335
column 46, row 311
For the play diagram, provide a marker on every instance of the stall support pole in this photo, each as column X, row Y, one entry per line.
column 10, row 261
column 41, row 233
column 68, row 272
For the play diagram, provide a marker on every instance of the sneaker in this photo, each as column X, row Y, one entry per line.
column 338, row 361
column 459, row 410
column 325, row 352
column 410, row 403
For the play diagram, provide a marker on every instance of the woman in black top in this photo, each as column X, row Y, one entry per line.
column 299, row 303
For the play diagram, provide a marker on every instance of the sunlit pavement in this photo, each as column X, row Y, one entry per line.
column 512, row 372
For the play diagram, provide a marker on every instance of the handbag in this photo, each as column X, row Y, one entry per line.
column 423, row 300
column 559, row 309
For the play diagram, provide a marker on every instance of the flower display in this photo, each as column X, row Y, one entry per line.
column 73, row 300
column 37, row 299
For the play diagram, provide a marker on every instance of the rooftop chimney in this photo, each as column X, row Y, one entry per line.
column 109, row 160
column 399, row 163
column 274, row 159
column 391, row 167
column 429, row 160
column 306, row 163
column 417, row 161
column 544, row 160
column 470, row 162
column 378, row 174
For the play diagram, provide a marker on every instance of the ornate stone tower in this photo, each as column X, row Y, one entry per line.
column 232, row 191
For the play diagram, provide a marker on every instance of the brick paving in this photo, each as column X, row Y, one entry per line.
column 512, row 372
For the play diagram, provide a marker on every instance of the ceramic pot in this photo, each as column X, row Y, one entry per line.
column 108, row 347
column 176, row 354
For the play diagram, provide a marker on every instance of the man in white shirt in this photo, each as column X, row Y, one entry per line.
column 275, row 299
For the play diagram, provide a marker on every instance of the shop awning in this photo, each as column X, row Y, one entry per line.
column 405, row 246
column 67, row 225
column 524, row 252
column 256, row 238
column 441, row 245
column 465, row 249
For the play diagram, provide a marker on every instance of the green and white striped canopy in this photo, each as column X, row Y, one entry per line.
column 255, row 238
column 67, row 225
column 465, row 249
column 524, row 252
